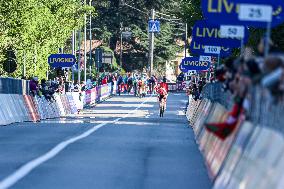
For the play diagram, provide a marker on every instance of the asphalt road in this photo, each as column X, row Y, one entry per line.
column 119, row 144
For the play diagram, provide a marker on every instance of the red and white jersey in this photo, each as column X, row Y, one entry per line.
column 162, row 91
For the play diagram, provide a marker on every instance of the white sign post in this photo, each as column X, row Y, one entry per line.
column 258, row 13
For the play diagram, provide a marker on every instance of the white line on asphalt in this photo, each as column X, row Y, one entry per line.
column 28, row 167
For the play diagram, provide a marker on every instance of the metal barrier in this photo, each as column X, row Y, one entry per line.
column 17, row 106
column 172, row 87
column 215, row 93
column 13, row 86
column 252, row 156
column 263, row 110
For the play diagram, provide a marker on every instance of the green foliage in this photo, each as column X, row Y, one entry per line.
column 190, row 11
column 114, row 65
column 110, row 15
column 37, row 28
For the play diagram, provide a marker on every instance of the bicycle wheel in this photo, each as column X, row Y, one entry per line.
column 162, row 110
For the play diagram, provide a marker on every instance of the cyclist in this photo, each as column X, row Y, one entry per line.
column 164, row 84
column 162, row 97
column 162, row 91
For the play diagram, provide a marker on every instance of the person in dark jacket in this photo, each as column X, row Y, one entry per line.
column 34, row 89
column 119, row 84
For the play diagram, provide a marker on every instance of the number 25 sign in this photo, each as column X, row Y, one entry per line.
column 227, row 12
column 256, row 13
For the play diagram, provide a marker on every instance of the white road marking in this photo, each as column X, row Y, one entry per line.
column 180, row 113
column 28, row 167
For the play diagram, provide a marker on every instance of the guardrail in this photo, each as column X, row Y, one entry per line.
column 253, row 155
column 263, row 109
column 16, row 105
column 215, row 93
column 13, row 86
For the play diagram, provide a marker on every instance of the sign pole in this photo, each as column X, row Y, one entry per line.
column 121, row 46
column 151, row 44
column 267, row 38
column 242, row 47
column 79, row 58
column 24, row 64
column 218, row 59
column 85, row 47
column 73, row 52
column 91, row 62
column 185, row 41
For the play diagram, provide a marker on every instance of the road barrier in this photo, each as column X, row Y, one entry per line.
column 172, row 87
column 251, row 157
column 16, row 105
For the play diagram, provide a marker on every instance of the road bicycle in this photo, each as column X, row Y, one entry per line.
column 162, row 106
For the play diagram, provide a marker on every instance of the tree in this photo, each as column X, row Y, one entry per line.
column 110, row 17
column 37, row 28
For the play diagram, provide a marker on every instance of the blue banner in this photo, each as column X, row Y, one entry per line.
column 197, row 48
column 61, row 60
column 193, row 63
column 226, row 11
column 209, row 34
column 182, row 69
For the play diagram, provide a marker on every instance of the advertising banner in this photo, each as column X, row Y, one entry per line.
column 104, row 91
column 194, row 64
column 227, row 12
column 198, row 49
column 209, row 34
column 61, row 60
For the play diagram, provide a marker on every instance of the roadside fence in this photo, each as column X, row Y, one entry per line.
column 16, row 105
column 253, row 155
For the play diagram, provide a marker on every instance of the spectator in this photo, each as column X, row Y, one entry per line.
column 129, row 84
column 77, row 87
column 44, row 88
column 34, row 88
column 111, row 80
column 195, row 92
column 119, row 84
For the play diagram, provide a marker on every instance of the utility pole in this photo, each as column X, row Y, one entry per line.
column 79, row 58
column 151, row 44
column 121, row 46
column 24, row 71
column 91, row 62
column 73, row 52
column 85, row 47
column 185, row 41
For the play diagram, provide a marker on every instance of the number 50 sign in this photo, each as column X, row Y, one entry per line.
column 232, row 31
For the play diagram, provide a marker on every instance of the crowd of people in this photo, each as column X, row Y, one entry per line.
column 137, row 84
column 46, row 88
column 242, row 76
